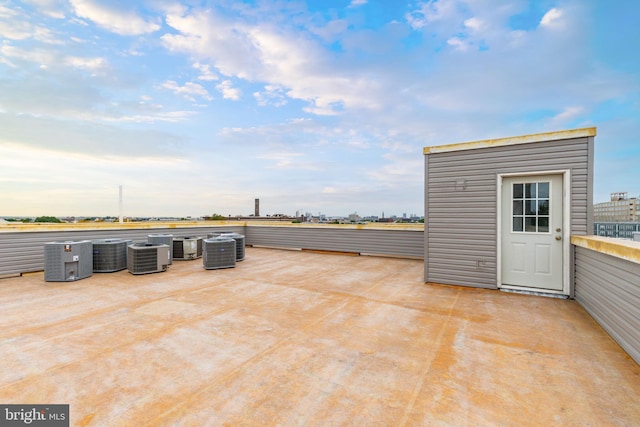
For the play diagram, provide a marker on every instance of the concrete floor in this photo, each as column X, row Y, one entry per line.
column 305, row 339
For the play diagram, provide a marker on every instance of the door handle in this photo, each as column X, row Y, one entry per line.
column 558, row 238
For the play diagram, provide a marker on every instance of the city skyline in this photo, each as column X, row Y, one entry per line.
column 200, row 107
column 245, row 214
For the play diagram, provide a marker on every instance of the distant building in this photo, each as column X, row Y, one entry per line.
column 621, row 208
column 383, row 219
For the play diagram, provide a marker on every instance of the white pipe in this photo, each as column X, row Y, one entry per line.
column 121, row 220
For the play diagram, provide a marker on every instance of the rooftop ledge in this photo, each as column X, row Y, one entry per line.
column 619, row 248
column 513, row 140
column 10, row 227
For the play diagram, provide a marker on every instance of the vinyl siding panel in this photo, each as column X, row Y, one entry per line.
column 609, row 289
column 461, row 203
column 403, row 243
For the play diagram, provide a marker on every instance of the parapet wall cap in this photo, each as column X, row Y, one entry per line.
column 619, row 248
column 513, row 140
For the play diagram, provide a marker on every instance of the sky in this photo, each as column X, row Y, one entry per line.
column 320, row 106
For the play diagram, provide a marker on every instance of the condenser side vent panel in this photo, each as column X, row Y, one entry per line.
column 162, row 239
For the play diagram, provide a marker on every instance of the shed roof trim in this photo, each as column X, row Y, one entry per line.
column 513, row 140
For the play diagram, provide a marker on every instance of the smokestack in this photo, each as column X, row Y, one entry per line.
column 120, row 209
column 257, row 208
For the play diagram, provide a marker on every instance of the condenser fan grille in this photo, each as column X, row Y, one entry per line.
column 110, row 255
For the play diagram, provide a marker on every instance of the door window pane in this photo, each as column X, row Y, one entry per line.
column 530, row 190
column 517, row 223
column 517, row 191
column 517, row 207
column 530, row 210
column 530, row 224
column 543, row 190
column 543, row 224
column 543, row 207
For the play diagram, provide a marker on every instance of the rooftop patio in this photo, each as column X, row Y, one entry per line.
column 304, row 338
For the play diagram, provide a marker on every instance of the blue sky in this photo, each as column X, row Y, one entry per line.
column 197, row 107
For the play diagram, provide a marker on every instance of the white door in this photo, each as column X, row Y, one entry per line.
column 531, row 235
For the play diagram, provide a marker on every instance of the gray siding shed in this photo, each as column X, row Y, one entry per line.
column 461, row 206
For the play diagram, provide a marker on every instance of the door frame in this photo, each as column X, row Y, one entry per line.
column 566, row 230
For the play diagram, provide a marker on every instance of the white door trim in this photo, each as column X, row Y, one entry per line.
column 566, row 229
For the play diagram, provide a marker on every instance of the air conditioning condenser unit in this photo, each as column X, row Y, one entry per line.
column 110, row 255
column 143, row 258
column 68, row 261
column 219, row 252
column 187, row 248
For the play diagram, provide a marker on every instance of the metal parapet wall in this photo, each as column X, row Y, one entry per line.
column 22, row 251
column 405, row 243
column 607, row 286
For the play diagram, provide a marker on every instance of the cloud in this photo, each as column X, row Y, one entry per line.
column 52, row 8
column 205, row 72
column 210, row 38
column 91, row 64
column 486, row 59
column 228, row 91
column 273, row 55
column 458, row 44
column 16, row 25
column 474, row 24
column 553, row 19
column 162, row 116
column 188, row 91
column 569, row 113
column 123, row 22
column 40, row 56
column 272, row 95
column 330, row 31
column 464, row 24
column 431, row 11
column 13, row 26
